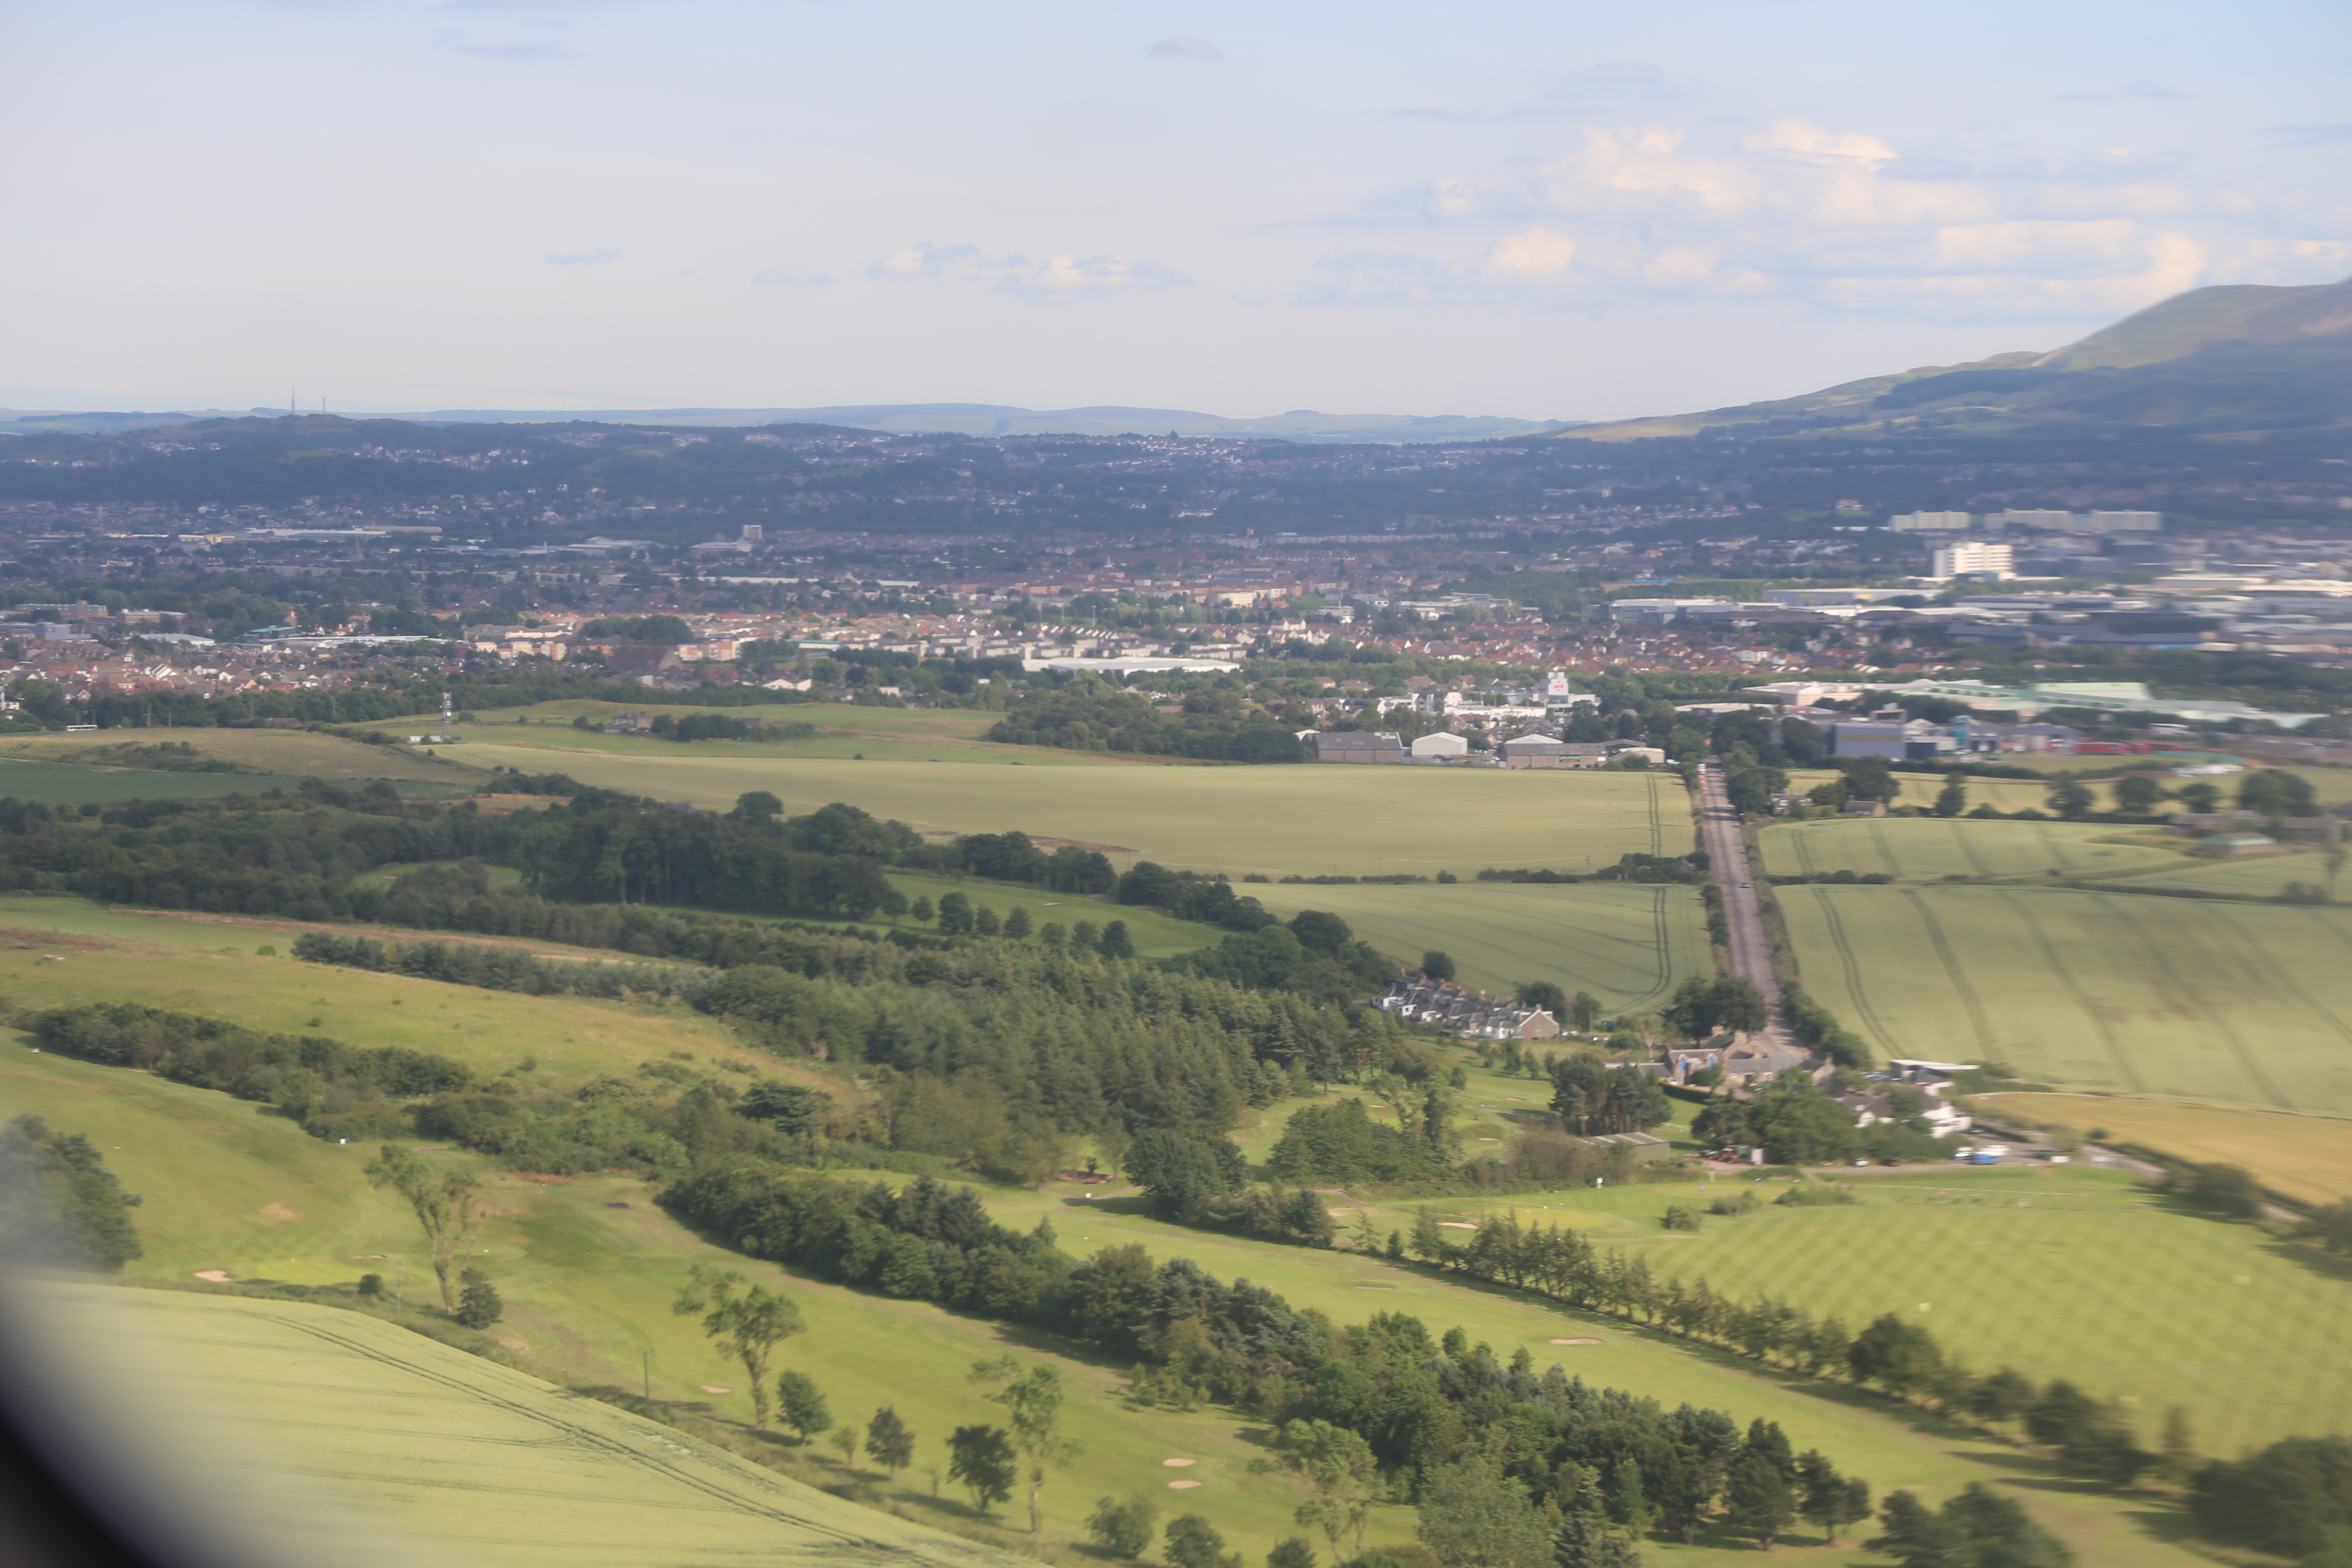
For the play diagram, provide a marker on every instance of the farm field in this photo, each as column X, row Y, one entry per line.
column 1155, row 935
column 2234, row 1004
column 2303, row 1157
column 1628, row 944
column 845, row 731
column 1921, row 789
column 298, row 1422
column 2068, row 1272
column 589, row 1281
column 2265, row 875
column 1307, row 818
column 287, row 753
column 1926, row 848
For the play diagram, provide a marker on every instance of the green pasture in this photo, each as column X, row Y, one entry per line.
column 284, row 753
column 71, row 783
column 295, row 1422
column 1627, row 943
column 1926, row 848
column 2238, row 1005
column 1307, row 818
column 2069, row 1271
column 1155, row 935
column 589, row 1282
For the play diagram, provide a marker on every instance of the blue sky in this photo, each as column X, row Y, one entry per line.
column 1562, row 210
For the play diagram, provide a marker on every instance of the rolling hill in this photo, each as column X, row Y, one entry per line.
column 2219, row 361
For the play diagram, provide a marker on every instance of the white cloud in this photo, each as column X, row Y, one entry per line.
column 789, row 277
column 1834, row 216
column 584, row 259
column 2144, row 88
column 1185, row 49
column 923, row 259
column 1531, row 255
column 1071, row 278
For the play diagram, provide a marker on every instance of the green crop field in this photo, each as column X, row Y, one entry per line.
column 297, row 1424
column 2069, row 1271
column 1925, row 849
column 2242, row 1004
column 1155, row 935
column 589, row 1266
column 1306, row 819
column 2263, row 876
column 1627, row 943
column 1921, row 789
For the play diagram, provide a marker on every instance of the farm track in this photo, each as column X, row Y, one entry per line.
column 2288, row 984
column 2122, row 1061
column 1967, row 849
column 1961, row 983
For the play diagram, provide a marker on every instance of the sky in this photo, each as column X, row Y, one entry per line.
column 1561, row 210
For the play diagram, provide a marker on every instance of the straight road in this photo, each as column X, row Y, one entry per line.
column 1727, row 854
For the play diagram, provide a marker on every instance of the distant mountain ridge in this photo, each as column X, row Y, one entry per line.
column 2233, row 359
column 916, row 418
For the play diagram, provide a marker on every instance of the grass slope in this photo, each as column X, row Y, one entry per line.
column 845, row 731
column 71, row 783
column 2304, row 1157
column 589, row 1269
column 1306, row 819
column 1626, row 943
column 2236, row 1005
column 2067, row 1272
column 328, row 1421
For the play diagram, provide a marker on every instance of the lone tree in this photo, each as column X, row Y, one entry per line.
column 478, row 1305
column 1032, row 1396
column 801, row 1405
column 1437, row 965
column 888, row 1442
column 981, row 1460
column 445, row 1203
column 1194, row 1542
column 744, row 1319
column 1337, row 1468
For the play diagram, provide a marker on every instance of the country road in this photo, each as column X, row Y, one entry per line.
column 1726, row 853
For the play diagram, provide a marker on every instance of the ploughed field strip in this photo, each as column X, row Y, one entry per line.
column 463, row 1460
column 2242, row 1005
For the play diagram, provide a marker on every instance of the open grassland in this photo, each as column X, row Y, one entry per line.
column 1155, row 935
column 2069, row 1272
column 1627, row 943
column 589, row 1269
column 2307, row 1158
column 2240, row 1005
column 296, row 1421
column 845, row 731
column 1926, row 848
column 287, row 753
column 1308, row 818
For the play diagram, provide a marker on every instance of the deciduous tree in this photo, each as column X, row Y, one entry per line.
column 745, row 1321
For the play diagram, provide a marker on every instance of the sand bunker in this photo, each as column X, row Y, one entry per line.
column 1179, row 1464
column 1576, row 1341
column 1182, row 1486
column 715, row 1388
column 1456, row 1224
column 217, row 1276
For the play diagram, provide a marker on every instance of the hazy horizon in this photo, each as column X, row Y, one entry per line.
column 1517, row 211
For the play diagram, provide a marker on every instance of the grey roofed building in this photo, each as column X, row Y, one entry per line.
column 1355, row 746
